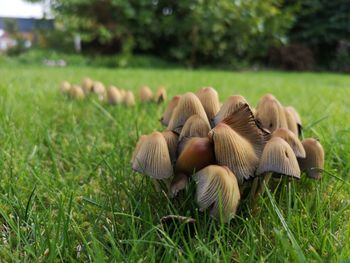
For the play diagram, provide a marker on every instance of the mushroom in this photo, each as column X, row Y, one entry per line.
column 160, row 95
column 113, row 95
column 195, row 126
column 313, row 164
column 152, row 158
column 122, row 93
column 179, row 182
column 188, row 105
column 99, row 89
column 209, row 98
column 169, row 110
column 65, row 86
column 129, row 99
column 291, row 122
column 270, row 113
column 292, row 140
column 87, row 85
column 171, row 139
column 217, row 190
column 197, row 154
column 297, row 118
column 229, row 107
column 137, row 147
column 76, row 92
column 146, row 94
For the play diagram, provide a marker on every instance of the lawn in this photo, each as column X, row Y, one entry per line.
column 67, row 192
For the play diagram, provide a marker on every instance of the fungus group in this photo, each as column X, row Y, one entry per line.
column 225, row 148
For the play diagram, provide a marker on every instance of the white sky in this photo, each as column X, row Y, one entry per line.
column 20, row 8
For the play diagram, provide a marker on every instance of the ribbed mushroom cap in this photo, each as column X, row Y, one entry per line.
column 171, row 139
column 313, row 164
column 65, row 86
column 87, row 85
column 113, row 95
column 292, row 140
column 209, row 98
column 296, row 116
column 229, row 107
column 129, row 99
column 217, row 190
column 146, row 94
column 169, row 110
column 291, row 123
column 234, row 151
column 179, row 182
column 270, row 113
column 160, row 95
column 152, row 157
column 76, row 92
column 278, row 157
column 137, row 147
column 188, row 105
column 197, row 154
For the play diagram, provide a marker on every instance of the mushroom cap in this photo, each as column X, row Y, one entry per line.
column 87, row 85
column 209, row 98
column 292, row 140
column 229, row 107
column 129, row 99
column 218, row 190
column 278, row 157
column 65, row 86
column 122, row 93
column 114, row 96
column 197, row 154
column 179, row 182
column 313, row 164
column 188, row 105
column 234, row 151
column 296, row 116
column 137, row 147
column 146, row 94
column 270, row 113
column 152, row 157
column 160, row 95
column 169, row 110
column 291, row 122
column 99, row 88
column 171, row 139
column 76, row 92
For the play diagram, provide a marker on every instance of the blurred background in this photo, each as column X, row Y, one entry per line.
column 299, row 35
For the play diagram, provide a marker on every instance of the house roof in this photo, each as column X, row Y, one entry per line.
column 29, row 24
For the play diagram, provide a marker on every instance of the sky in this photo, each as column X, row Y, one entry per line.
column 20, row 8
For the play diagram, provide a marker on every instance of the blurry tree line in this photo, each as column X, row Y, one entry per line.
column 290, row 34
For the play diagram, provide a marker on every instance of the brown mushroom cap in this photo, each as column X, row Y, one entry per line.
column 270, row 113
column 292, row 140
column 87, row 85
column 99, row 88
column 137, row 147
column 171, row 139
column 188, row 105
column 313, row 164
column 160, row 95
column 129, row 99
column 218, row 190
column 113, row 95
column 234, row 151
column 197, row 154
column 65, row 86
column 291, row 122
column 297, row 118
column 152, row 157
column 209, row 98
column 229, row 107
column 278, row 157
column 76, row 92
column 169, row 110
column 146, row 94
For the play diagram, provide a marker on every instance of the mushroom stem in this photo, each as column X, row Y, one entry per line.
column 258, row 187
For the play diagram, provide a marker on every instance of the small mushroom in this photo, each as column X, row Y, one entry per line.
column 76, row 92
column 146, row 94
column 99, row 89
column 291, row 122
column 313, row 164
column 160, row 95
column 297, row 118
column 87, row 85
column 197, row 154
column 169, row 110
column 171, row 139
column 122, row 93
column 129, row 99
column 65, row 87
column 229, row 107
column 188, row 105
column 179, row 183
column 152, row 157
column 270, row 113
column 292, row 140
column 113, row 95
column 217, row 190
column 209, row 98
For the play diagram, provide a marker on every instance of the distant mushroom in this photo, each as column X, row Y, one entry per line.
column 113, row 96
column 217, row 190
column 292, row 140
column 313, row 164
column 129, row 99
column 169, row 110
column 99, row 89
column 76, row 92
column 160, row 95
column 209, row 98
column 65, row 87
column 146, row 94
column 87, row 85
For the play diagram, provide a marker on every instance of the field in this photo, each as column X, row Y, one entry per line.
column 67, row 192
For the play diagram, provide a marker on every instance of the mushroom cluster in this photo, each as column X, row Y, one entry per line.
column 112, row 94
column 226, row 149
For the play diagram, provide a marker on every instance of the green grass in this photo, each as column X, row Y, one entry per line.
column 67, row 192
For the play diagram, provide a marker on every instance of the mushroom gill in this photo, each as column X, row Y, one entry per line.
column 292, row 140
column 217, row 190
column 313, row 164
column 229, row 107
column 209, row 98
column 152, row 157
column 169, row 110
